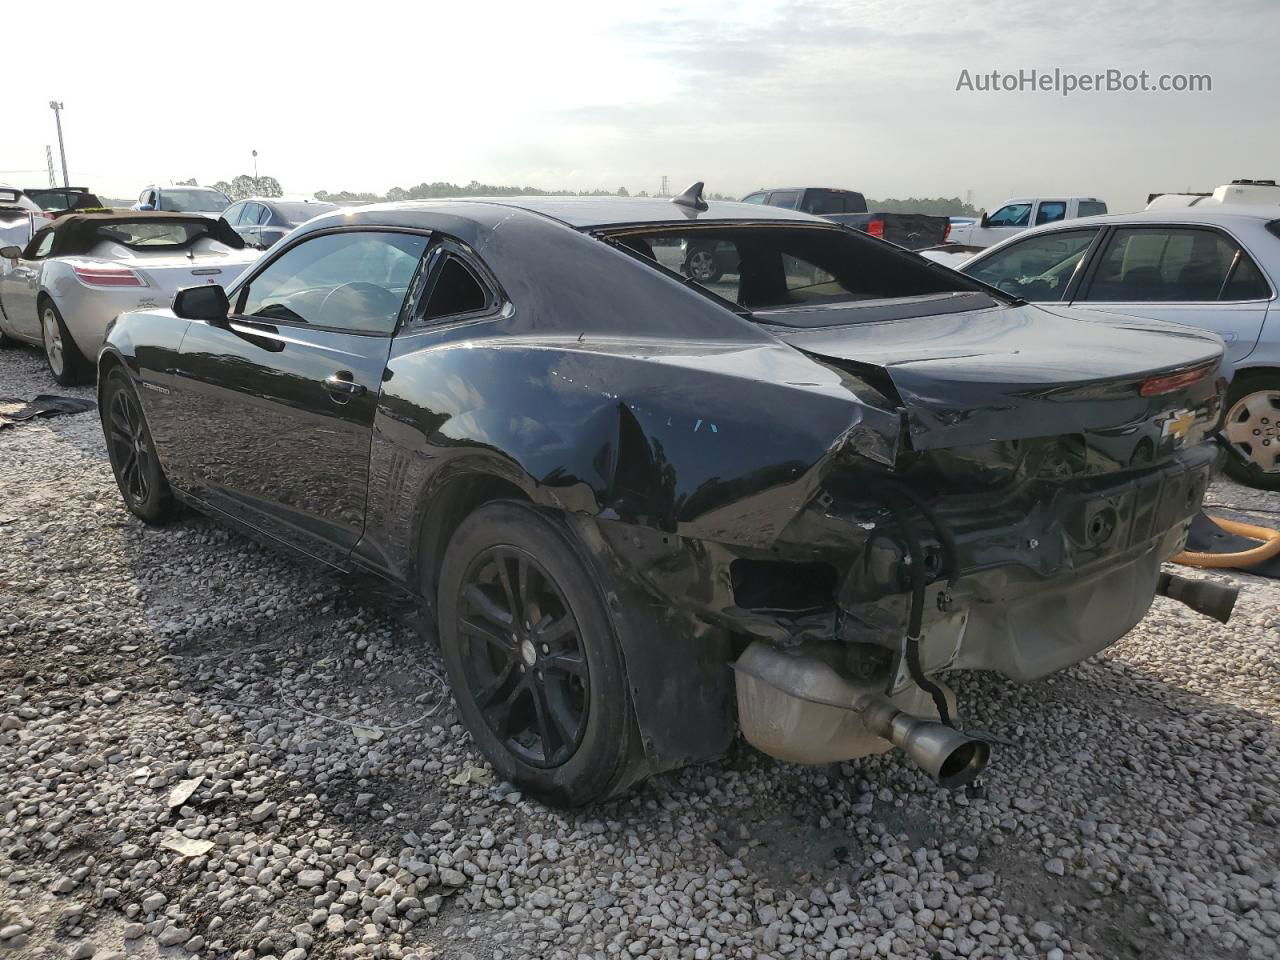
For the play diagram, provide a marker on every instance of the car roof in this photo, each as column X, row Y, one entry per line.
column 588, row 212
column 1215, row 213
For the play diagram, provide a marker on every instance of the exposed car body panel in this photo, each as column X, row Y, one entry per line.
column 727, row 478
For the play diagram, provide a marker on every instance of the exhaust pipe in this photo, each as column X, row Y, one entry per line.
column 1203, row 596
column 947, row 755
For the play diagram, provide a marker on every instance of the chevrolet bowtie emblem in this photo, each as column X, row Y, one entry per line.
column 1179, row 422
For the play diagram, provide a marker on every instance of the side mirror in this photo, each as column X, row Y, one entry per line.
column 207, row 302
column 146, row 206
column 10, row 252
column 983, row 221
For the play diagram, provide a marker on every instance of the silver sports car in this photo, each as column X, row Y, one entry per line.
column 74, row 276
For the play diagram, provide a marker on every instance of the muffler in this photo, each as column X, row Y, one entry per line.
column 1203, row 596
column 946, row 754
column 798, row 705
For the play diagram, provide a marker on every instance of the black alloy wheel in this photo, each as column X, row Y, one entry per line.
column 523, row 656
column 533, row 655
column 132, row 453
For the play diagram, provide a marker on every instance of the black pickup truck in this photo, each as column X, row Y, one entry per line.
column 914, row 231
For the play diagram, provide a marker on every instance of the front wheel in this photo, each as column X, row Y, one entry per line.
column 66, row 362
column 535, row 666
column 132, row 453
column 1253, row 428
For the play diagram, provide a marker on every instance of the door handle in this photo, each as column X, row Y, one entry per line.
column 341, row 385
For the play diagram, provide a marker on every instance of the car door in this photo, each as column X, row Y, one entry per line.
column 20, row 286
column 279, row 398
column 1193, row 274
column 251, row 223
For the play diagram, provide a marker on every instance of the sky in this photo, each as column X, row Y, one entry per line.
column 860, row 94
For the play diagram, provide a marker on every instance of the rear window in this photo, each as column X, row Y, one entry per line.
column 153, row 233
column 299, row 212
column 777, row 269
column 194, row 201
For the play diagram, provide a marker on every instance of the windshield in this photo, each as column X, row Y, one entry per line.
column 155, row 233
column 299, row 212
column 779, row 269
column 194, row 201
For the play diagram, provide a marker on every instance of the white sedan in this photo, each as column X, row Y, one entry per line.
column 1215, row 267
column 77, row 274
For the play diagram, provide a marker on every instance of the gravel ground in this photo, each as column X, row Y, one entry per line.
column 209, row 750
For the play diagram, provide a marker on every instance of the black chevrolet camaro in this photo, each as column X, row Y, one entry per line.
column 646, row 511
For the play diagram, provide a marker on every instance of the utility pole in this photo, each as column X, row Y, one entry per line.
column 48, row 158
column 255, row 171
column 663, row 192
column 57, row 109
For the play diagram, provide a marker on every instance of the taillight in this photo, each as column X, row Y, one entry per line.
column 946, row 232
column 876, row 228
column 1167, row 383
column 108, row 275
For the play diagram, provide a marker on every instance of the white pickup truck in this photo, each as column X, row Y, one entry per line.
column 1021, row 214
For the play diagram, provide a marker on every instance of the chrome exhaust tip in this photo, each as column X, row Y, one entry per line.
column 947, row 755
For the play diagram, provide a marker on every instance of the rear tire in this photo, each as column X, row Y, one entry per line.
column 132, row 453
column 532, row 657
column 1253, row 427
column 66, row 363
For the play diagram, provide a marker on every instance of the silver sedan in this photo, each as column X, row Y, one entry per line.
column 76, row 275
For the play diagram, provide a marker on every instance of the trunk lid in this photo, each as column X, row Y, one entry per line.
column 967, row 377
column 167, row 272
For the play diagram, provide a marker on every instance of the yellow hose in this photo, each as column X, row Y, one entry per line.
column 1269, row 547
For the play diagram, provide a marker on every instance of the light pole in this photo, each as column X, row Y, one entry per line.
column 255, row 171
column 57, row 107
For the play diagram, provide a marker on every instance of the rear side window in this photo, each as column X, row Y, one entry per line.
column 787, row 199
column 354, row 281
column 1246, row 281
column 455, row 291
column 1167, row 264
column 1050, row 211
column 1092, row 208
column 754, row 198
column 1037, row 268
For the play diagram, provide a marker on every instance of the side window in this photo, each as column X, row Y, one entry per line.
column 787, row 199
column 142, row 197
column 153, row 198
column 261, row 213
column 232, row 214
column 353, row 281
column 754, row 198
column 39, row 246
column 823, row 201
column 1050, row 211
column 1171, row 264
column 455, row 291
column 1246, row 282
column 1037, row 268
column 1011, row 215
column 1092, row 208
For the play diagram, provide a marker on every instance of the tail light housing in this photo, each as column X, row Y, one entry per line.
column 107, row 275
column 946, row 232
column 1169, row 382
column 875, row 227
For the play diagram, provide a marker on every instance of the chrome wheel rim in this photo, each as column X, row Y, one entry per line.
column 1253, row 427
column 522, row 656
column 702, row 265
column 130, row 453
column 52, row 340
